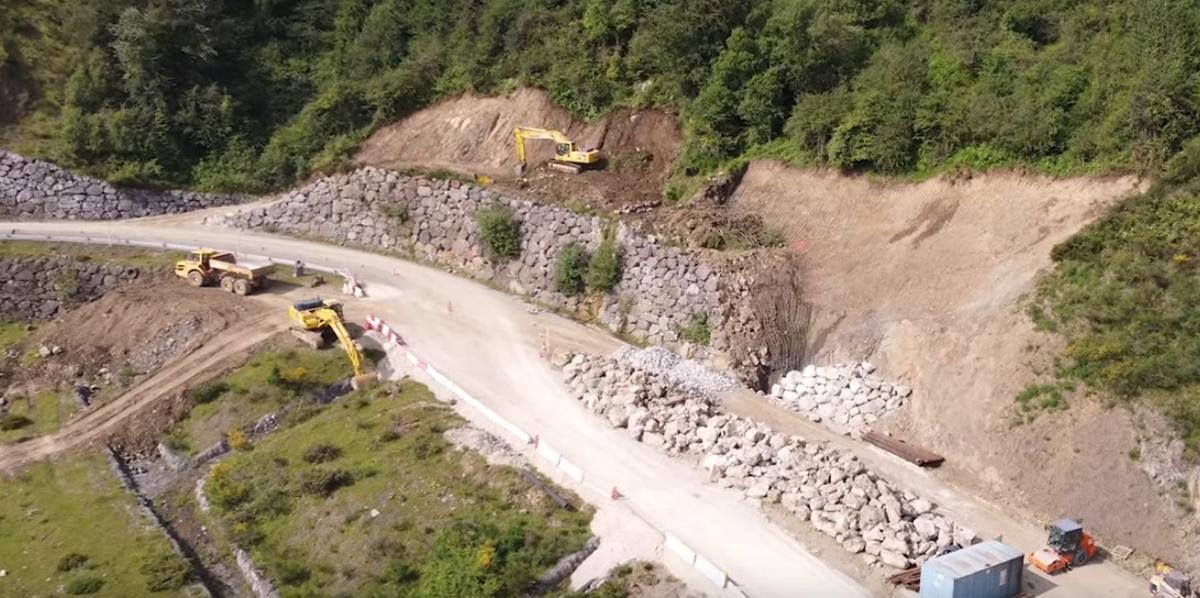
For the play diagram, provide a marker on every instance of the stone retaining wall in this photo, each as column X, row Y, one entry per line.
column 39, row 288
column 38, row 190
column 661, row 287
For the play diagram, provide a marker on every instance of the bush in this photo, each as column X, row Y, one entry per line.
column 13, row 421
column 570, row 270
column 697, row 330
column 166, row 571
column 324, row 482
column 500, row 232
column 85, row 585
column 209, row 392
column 71, row 561
column 604, row 271
column 320, row 453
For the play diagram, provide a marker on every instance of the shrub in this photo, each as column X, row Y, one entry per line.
column 85, row 585
column 13, row 421
column 209, row 392
column 224, row 488
column 70, row 561
column 324, row 482
column 604, row 271
column 570, row 270
column 238, row 441
column 292, row 573
column 166, row 571
column 697, row 329
column 320, row 453
column 500, row 232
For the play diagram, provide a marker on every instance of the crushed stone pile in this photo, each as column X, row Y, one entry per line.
column 684, row 373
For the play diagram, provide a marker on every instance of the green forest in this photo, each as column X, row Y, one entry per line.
column 230, row 95
column 236, row 95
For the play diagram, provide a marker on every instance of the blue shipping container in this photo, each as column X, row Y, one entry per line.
column 985, row 570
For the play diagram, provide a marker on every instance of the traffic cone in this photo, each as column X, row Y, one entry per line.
column 616, row 494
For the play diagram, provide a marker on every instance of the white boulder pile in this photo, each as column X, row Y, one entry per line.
column 836, row 493
column 847, row 397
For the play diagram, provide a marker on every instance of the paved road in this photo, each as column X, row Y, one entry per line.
column 488, row 342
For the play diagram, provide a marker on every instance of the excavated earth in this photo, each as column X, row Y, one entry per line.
column 474, row 135
column 927, row 281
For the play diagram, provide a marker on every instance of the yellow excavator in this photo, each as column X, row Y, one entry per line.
column 314, row 318
column 567, row 158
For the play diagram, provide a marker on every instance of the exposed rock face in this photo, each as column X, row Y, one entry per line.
column 660, row 290
column 38, row 190
column 38, row 288
column 835, row 493
column 847, row 397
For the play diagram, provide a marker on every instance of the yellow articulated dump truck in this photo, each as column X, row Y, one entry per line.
column 212, row 267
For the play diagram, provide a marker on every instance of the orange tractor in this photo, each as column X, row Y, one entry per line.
column 1068, row 546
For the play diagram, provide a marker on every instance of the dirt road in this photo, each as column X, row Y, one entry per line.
column 488, row 343
column 93, row 425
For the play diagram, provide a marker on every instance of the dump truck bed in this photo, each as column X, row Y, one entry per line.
column 249, row 269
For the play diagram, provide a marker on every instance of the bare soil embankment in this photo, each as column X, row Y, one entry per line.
column 474, row 135
column 926, row 280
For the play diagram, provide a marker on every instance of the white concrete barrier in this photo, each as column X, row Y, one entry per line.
column 680, row 549
column 709, row 570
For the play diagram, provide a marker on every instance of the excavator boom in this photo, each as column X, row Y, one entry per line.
column 314, row 316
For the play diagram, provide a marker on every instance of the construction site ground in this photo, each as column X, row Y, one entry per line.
column 490, row 344
column 925, row 279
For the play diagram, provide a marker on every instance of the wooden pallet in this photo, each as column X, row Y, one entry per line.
column 904, row 450
column 1120, row 552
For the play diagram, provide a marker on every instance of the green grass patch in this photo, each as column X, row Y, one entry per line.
column 367, row 498
column 135, row 257
column 697, row 329
column 71, row 524
column 1124, row 293
column 43, row 413
column 11, row 335
column 277, row 380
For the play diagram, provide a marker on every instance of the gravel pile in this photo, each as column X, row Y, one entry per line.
column 683, row 373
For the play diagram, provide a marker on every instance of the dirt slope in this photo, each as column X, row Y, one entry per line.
column 926, row 280
column 474, row 135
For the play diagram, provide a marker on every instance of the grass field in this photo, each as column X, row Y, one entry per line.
column 11, row 335
column 129, row 256
column 366, row 498
column 69, row 527
column 273, row 380
column 46, row 412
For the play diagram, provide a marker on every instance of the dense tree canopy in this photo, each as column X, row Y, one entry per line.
column 228, row 94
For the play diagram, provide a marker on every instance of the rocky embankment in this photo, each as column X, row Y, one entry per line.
column 662, row 289
column 847, row 397
column 836, row 493
column 38, row 190
column 39, row 288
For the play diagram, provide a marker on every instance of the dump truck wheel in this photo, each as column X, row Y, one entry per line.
column 1081, row 558
column 195, row 278
column 241, row 286
column 227, row 283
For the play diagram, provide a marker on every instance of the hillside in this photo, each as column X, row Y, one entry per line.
column 246, row 96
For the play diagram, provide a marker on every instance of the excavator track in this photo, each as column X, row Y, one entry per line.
column 565, row 167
